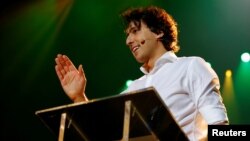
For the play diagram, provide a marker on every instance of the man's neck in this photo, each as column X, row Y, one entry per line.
column 149, row 65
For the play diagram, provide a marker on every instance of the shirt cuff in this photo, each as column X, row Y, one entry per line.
column 213, row 114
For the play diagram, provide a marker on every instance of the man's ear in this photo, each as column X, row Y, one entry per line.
column 158, row 36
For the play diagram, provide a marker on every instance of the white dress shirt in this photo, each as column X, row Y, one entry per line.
column 190, row 89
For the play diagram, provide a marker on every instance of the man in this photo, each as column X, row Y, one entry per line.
column 187, row 85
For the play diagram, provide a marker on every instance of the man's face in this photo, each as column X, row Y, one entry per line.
column 141, row 41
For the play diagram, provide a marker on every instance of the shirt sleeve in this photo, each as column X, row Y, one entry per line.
column 205, row 91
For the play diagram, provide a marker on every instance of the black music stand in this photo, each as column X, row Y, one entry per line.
column 134, row 116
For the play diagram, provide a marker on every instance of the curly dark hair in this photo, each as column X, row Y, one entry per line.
column 157, row 20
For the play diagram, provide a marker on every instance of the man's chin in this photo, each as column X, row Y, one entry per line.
column 139, row 60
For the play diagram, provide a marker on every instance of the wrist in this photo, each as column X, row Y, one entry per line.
column 80, row 98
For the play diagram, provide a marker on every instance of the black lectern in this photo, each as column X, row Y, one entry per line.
column 135, row 116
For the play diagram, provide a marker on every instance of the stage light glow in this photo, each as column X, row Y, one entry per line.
column 128, row 82
column 241, row 85
column 126, row 85
column 228, row 94
column 245, row 57
column 228, row 73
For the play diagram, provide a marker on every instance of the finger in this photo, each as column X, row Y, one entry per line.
column 60, row 62
column 80, row 70
column 60, row 66
column 69, row 63
column 66, row 68
column 58, row 72
column 57, row 61
column 63, row 72
column 81, row 73
column 58, row 55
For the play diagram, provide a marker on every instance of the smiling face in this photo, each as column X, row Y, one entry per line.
column 141, row 41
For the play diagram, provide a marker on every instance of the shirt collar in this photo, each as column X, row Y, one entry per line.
column 167, row 57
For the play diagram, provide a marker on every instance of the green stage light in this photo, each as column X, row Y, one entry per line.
column 245, row 57
column 126, row 85
column 128, row 82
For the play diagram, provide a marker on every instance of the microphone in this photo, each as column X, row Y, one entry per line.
column 143, row 42
column 157, row 39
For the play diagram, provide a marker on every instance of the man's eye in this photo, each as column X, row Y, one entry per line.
column 134, row 30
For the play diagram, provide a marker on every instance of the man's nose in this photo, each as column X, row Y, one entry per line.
column 129, row 40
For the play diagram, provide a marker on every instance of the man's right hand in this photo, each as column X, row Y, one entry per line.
column 73, row 80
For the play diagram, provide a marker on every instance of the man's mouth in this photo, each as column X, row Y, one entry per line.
column 134, row 48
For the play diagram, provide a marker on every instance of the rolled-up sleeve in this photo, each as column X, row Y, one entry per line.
column 205, row 91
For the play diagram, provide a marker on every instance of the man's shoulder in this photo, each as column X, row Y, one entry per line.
column 191, row 59
column 198, row 64
column 194, row 62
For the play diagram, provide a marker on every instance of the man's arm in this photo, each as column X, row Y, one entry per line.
column 205, row 88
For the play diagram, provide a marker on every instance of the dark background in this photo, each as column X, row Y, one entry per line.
column 90, row 32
